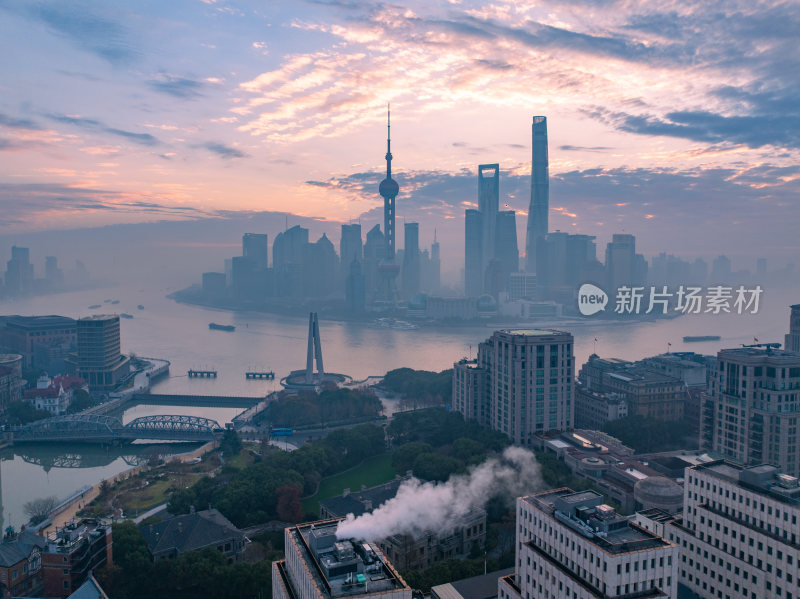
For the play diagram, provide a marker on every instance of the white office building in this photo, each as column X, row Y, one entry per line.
column 739, row 536
column 573, row 546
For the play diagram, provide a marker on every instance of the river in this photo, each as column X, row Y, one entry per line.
column 180, row 334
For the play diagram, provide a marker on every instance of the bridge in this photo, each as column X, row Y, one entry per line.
column 97, row 428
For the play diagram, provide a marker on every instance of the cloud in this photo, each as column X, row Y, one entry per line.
column 97, row 126
column 222, row 150
column 569, row 148
column 179, row 87
column 16, row 123
column 86, row 29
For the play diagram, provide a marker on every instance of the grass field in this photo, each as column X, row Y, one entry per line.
column 372, row 471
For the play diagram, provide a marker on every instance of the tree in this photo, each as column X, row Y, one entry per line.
column 39, row 509
column 81, row 400
column 23, row 412
column 289, row 508
column 230, row 444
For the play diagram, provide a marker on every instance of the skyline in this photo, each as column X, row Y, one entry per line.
column 659, row 121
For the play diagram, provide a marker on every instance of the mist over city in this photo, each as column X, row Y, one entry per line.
column 455, row 300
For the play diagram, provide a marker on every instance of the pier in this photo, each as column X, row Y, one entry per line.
column 269, row 376
column 202, row 374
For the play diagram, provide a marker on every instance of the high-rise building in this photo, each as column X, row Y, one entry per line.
column 528, row 386
column 539, row 210
column 255, row 247
column 19, row 271
column 318, row 565
column 739, row 533
column 473, row 253
column 754, row 407
column 411, row 260
column 355, row 289
column 721, row 270
column 624, row 267
column 564, row 261
column 435, row 271
column 53, row 275
column 572, row 545
column 374, row 254
column 100, row 362
column 350, row 249
column 506, row 250
column 488, row 204
column 289, row 252
column 320, row 268
column 792, row 342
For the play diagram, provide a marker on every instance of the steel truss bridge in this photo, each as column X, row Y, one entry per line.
column 97, row 428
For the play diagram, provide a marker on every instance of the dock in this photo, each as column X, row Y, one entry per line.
column 269, row 375
column 203, row 374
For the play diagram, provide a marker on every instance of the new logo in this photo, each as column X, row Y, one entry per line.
column 591, row 299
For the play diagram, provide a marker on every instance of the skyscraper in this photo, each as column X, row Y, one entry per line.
column 538, row 213
column 518, row 399
column 473, row 253
column 255, row 247
column 624, row 267
column 792, row 342
column 488, row 203
column 411, row 260
column 388, row 190
column 19, row 271
column 506, row 249
column 374, row 252
column 350, row 248
column 435, row 280
column 754, row 407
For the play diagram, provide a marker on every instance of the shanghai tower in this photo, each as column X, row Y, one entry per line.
column 540, row 191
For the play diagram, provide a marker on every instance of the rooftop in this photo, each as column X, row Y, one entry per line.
column 763, row 479
column 39, row 322
column 343, row 567
column 188, row 532
column 361, row 502
column 773, row 355
column 483, row 586
column 585, row 513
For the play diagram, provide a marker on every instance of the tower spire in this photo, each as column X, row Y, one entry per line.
column 388, row 140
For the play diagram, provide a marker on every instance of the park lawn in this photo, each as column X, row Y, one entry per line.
column 152, row 495
column 241, row 461
column 372, row 471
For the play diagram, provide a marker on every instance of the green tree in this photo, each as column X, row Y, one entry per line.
column 230, row 444
column 23, row 412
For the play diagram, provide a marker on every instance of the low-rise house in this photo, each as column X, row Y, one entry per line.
column 21, row 572
column 54, row 395
column 192, row 532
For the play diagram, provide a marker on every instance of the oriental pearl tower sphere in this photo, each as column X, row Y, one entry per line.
column 388, row 190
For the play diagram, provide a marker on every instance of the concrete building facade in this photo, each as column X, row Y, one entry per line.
column 754, row 407
column 528, row 383
column 739, row 535
column 320, row 566
column 100, row 362
column 792, row 342
column 572, row 545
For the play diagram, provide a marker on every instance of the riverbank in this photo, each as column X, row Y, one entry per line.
column 88, row 495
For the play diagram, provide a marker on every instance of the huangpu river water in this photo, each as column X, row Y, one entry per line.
column 180, row 334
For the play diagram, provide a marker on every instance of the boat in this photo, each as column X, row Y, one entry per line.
column 124, row 315
column 140, row 307
column 115, row 302
column 221, row 327
column 696, row 338
column 94, row 306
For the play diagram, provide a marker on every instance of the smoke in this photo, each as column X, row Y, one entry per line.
column 422, row 506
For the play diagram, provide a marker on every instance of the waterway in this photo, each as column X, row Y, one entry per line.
column 180, row 334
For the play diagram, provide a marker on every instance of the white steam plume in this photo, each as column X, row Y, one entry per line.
column 422, row 506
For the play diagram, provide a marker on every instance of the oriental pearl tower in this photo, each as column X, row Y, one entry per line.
column 388, row 190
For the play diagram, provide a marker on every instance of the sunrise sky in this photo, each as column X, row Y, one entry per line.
column 676, row 121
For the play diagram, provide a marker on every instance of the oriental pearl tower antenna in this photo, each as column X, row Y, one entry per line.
column 388, row 190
